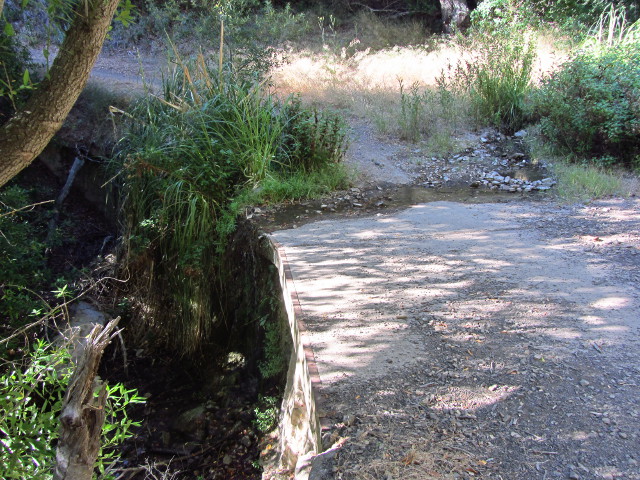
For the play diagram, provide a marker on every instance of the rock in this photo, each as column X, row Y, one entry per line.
column 349, row 420
column 226, row 460
column 584, row 383
column 322, row 466
column 246, row 441
column 520, row 134
column 192, row 423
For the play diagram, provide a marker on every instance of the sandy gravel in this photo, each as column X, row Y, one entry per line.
column 477, row 341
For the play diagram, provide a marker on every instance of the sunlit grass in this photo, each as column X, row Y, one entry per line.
column 582, row 182
column 302, row 185
column 397, row 89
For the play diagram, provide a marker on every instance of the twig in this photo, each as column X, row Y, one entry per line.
column 134, row 470
column 451, row 447
column 73, row 171
column 53, row 311
column 24, row 208
column 541, row 452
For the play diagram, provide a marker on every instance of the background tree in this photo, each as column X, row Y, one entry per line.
column 33, row 125
column 455, row 15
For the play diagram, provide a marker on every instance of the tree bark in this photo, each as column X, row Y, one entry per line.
column 24, row 137
column 455, row 15
column 83, row 411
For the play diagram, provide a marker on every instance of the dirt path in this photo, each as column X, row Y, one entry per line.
column 475, row 338
column 485, row 341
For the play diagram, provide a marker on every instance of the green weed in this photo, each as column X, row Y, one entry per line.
column 498, row 79
column 590, row 107
column 31, row 398
column 267, row 414
column 582, row 182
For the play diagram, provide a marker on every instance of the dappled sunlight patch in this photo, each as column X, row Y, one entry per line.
column 565, row 333
column 611, row 303
column 472, row 398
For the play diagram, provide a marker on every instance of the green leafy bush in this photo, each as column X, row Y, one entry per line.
column 189, row 163
column 591, row 106
column 31, row 400
column 21, row 257
column 567, row 13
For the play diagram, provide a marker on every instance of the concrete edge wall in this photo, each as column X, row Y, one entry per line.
column 300, row 427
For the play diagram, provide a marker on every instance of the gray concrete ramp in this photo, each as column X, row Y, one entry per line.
column 454, row 311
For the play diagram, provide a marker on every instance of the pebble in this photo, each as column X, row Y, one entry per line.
column 508, row 183
column 349, row 420
column 584, row 383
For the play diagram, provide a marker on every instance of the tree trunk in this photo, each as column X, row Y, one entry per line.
column 83, row 411
column 455, row 15
column 24, row 136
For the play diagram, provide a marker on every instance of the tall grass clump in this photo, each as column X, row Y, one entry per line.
column 498, row 78
column 189, row 163
column 590, row 108
column 430, row 114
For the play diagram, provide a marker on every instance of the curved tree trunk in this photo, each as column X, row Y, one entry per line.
column 455, row 15
column 27, row 133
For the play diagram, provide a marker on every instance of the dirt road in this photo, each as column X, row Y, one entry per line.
column 484, row 341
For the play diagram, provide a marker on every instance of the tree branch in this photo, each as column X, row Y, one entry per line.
column 24, row 137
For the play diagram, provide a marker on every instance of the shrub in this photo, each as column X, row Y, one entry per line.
column 591, row 106
column 311, row 138
column 189, row 162
column 498, row 79
column 31, row 399
column 567, row 13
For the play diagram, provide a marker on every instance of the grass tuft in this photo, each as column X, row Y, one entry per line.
column 583, row 183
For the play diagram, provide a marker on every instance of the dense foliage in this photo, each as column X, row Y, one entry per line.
column 31, row 399
column 189, row 163
column 591, row 106
column 22, row 256
column 566, row 13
